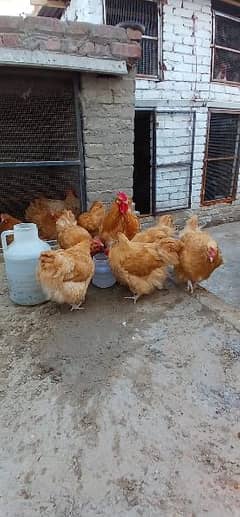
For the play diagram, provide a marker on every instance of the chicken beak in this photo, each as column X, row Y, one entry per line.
column 211, row 259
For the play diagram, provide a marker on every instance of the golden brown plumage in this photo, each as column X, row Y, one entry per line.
column 142, row 267
column 166, row 223
column 68, row 232
column 7, row 222
column 66, row 274
column 92, row 220
column 119, row 219
column 44, row 212
column 163, row 228
column 39, row 213
column 200, row 254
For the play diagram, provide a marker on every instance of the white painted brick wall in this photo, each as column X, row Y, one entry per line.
column 187, row 33
column 85, row 11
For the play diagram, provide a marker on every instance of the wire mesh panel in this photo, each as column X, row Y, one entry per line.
column 38, row 120
column 227, row 32
column 148, row 64
column 40, row 151
column 175, row 132
column 226, row 66
column 144, row 12
column 222, row 157
column 19, row 186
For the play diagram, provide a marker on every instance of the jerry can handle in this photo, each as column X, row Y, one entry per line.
column 4, row 236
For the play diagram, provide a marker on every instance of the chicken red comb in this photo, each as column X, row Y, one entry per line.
column 212, row 250
column 122, row 196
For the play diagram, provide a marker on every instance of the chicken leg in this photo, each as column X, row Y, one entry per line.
column 134, row 298
column 76, row 307
column 190, row 286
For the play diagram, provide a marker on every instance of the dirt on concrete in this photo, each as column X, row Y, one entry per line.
column 120, row 410
column 225, row 282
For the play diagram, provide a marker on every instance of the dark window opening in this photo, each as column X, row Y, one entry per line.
column 143, row 161
column 226, row 43
column 144, row 12
column 222, row 158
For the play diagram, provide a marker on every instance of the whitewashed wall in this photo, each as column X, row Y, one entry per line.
column 187, row 33
column 85, row 11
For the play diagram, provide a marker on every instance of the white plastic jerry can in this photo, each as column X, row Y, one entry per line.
column 21, row 261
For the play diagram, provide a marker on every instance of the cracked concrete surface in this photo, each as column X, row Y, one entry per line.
column 122, row 410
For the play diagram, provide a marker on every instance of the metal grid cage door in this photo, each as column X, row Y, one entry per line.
column 175, row 136
column 222, row 157
column 40, row 134
column 145, row 12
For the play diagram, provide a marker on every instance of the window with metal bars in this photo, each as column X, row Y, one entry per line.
column 222, row 157
column 146, row 13
column 226, row 43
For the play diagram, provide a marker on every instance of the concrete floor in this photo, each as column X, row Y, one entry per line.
column 123, row 410
column 225, row 282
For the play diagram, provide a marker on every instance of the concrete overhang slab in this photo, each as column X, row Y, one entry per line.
column 58, row 61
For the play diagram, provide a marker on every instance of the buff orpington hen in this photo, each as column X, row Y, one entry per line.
column 93, row 219
column 68, row 231
column 65, row 275
column 7, row 222
column 45, row 212
column 119, row 219
column 199, row 256
column 142, row 266
column 164, row 228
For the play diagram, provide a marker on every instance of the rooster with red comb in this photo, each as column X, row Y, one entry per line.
column 119, row 219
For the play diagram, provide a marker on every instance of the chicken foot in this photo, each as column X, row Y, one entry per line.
column 190, row 286
column 76, row 307
column 134, row 298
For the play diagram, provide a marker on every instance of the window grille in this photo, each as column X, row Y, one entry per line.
column 226, row 44
column 222, row 157
column 144, row 12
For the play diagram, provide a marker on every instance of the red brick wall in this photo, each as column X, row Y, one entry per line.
column 82, row 39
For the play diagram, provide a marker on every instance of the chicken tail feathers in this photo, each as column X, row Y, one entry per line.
column 192, row 223
column 169, row 251
column 166, row 220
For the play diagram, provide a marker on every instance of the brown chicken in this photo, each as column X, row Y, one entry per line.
column 66, row 274
column 163, row 228
column 92, row 220
column 68, row 232
column 7, row 222
column 142, row 267
column 45, row 219
column 119, row 219
column 199, row 257
column 45, row 212
column 166, row 223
